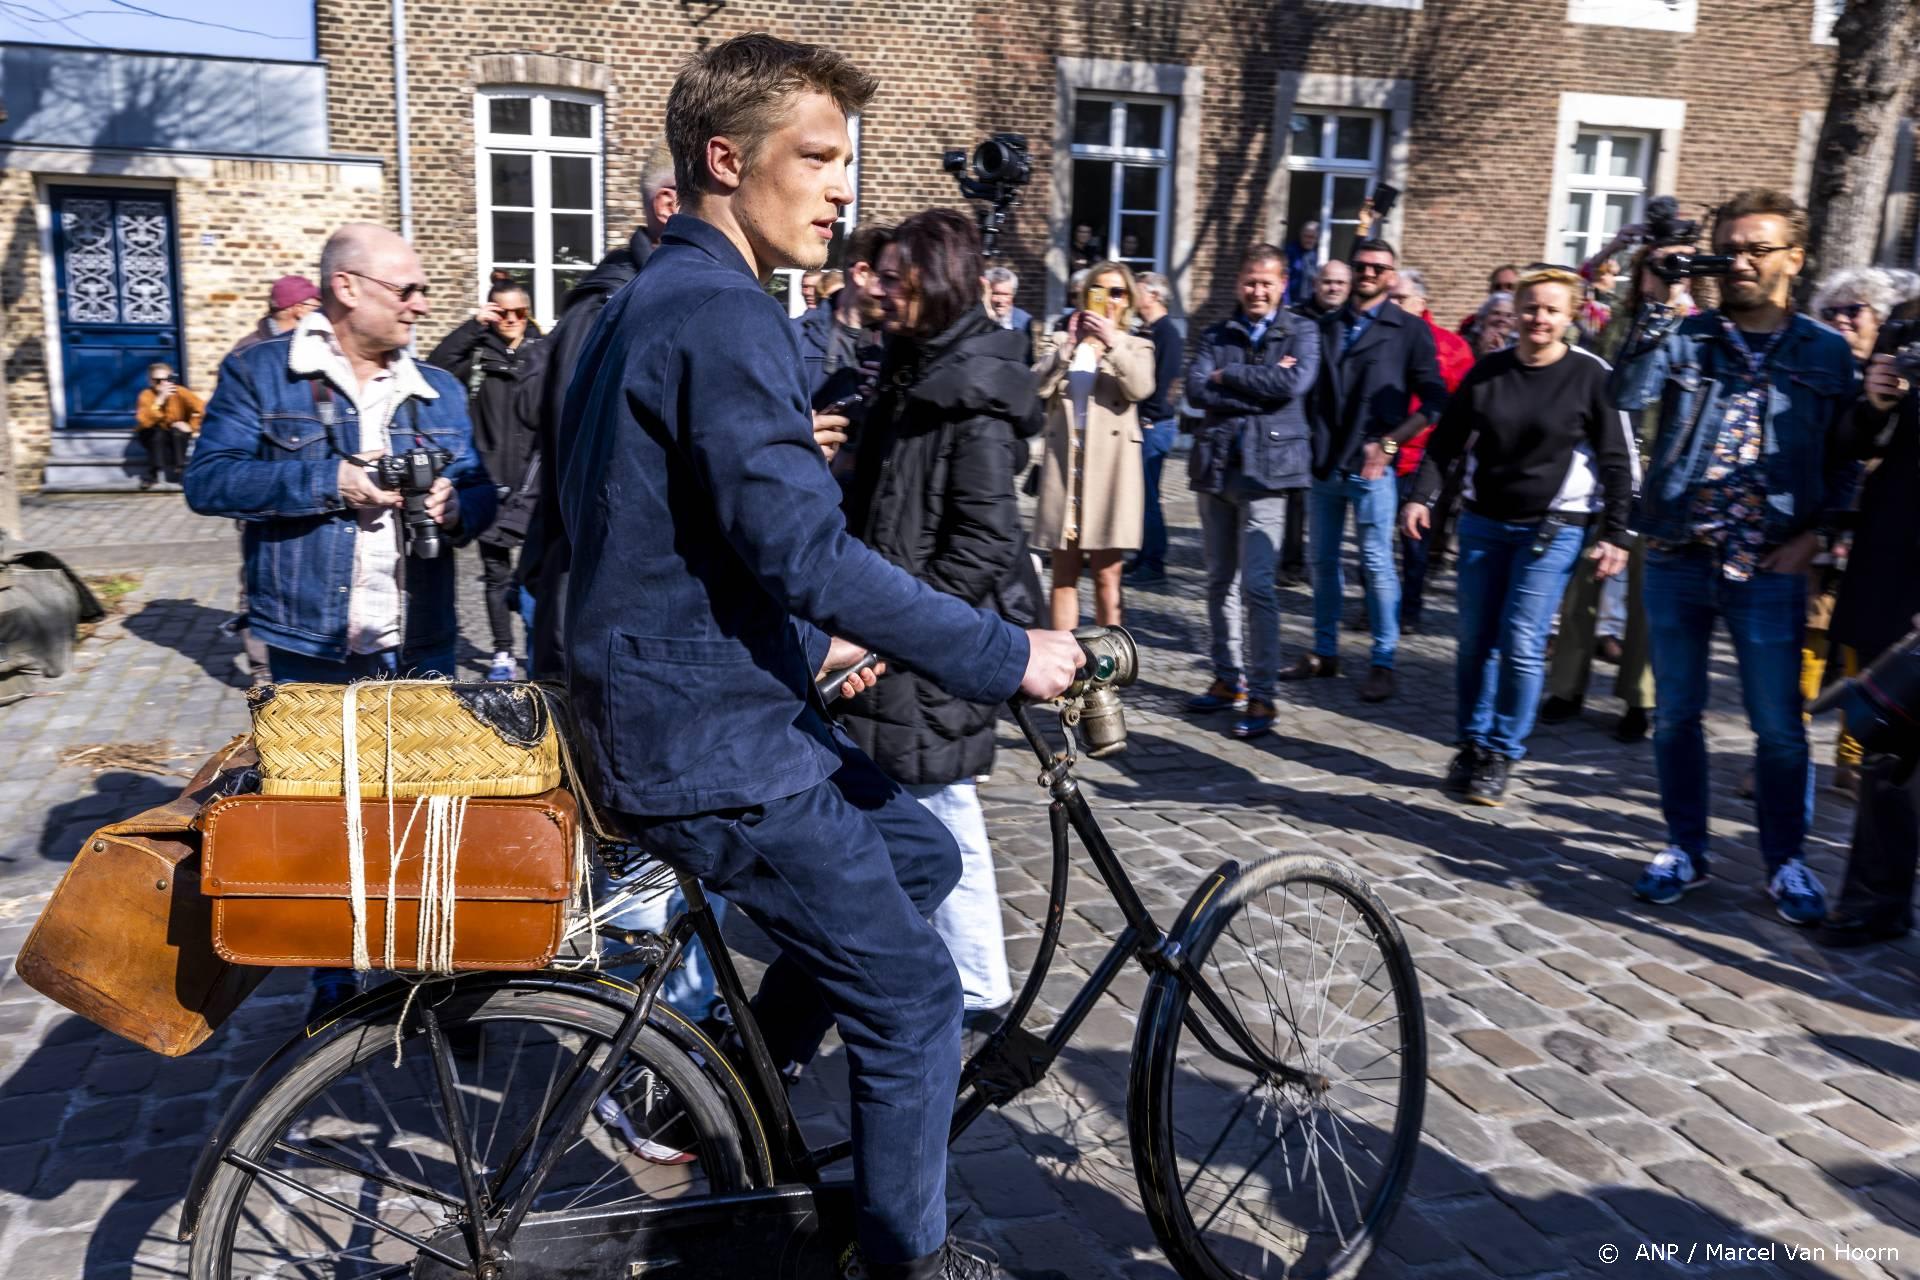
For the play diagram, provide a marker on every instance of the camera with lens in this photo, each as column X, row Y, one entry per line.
column 1881, row 705
column 1665, row 227
column 1906, row 361
column 1001, row 167
column 411, row 474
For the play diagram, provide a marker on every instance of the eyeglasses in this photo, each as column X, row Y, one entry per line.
column 1372, row 268
column 1847, row 309
column 405, row 292
column 510, row 313
column 1754, row 253
column 1118, row 293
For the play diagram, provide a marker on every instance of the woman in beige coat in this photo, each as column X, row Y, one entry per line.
column 1092, row 488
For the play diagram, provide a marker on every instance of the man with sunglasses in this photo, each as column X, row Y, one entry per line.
column 499, row 358
column 1376, row 361
column 1740, row 473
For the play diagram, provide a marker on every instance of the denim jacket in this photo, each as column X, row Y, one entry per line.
column 1681, row 365
column 266, row 458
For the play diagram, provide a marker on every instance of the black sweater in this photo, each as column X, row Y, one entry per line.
column 1543, row 438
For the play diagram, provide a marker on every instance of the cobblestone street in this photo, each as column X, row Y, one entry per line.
column 1602, row 1073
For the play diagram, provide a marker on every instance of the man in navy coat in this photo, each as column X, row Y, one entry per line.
column 711, row 566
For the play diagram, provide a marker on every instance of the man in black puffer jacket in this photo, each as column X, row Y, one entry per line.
column 934, row 491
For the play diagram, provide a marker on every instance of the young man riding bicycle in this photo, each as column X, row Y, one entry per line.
column 713, row 577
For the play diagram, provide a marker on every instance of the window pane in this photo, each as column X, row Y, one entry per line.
column 1353, row 138
column 1137, row 239
column 1348, row 193
column 1305, row 194
column 1574, row 249
column 522, row 276
column 1144, row 123
column 512, row 179
column 1092, row 207
column 1586, row 153
column 573, row 237
column 1140, row 187
column 510, row 115
column 513, row 237
column 1625, row 161
column 572, row 178
column 1092, row 123
column 1306, row 135
column 1577, row 206
column 1619, row 213
column 570, row 119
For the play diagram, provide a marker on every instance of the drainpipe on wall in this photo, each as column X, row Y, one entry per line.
column 404, row 153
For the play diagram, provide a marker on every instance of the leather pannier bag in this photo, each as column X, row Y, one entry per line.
column 127, row 939
column 277, row 870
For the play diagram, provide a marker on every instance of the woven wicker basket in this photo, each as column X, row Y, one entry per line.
column 446, row 739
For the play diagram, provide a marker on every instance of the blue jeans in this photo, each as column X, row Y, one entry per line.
column 969, row 920
column 289, row 667
column 843, row 877
column 691, row 988
column 1685, row 592
column 1507, row 596
column 1156, row 441
column 1375, row 503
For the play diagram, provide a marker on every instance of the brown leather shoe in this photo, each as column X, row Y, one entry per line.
column 1310, row 666
column 1379, row 685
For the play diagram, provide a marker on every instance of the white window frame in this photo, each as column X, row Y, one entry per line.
column 1600, row 186
column 540, row 143
column 1664, row 118
column 1185, row 88
column 849, row 219
column 1330, row 167
column 1317, row 92
column 1679, row 16
column 1120, row 155
column 1826, row 13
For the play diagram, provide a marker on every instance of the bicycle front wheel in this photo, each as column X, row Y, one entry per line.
column 1246, row 1174
column 353, row 1158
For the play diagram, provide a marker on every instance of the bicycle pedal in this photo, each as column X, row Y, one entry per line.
column 1011, row 1063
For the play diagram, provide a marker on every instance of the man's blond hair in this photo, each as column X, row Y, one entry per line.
column 744, row 90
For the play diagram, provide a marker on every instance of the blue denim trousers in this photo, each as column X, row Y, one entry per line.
column 1507, row 596
column 842, row 877
column 1765, row 615
column 1375, row 503
column 289, row 667
column 1156, row 441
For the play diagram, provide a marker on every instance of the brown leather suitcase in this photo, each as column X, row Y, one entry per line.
column 275, row 868
column 127, row 939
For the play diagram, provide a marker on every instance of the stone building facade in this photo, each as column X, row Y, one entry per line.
column 1179, row 130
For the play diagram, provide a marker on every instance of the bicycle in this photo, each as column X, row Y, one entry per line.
column 338, row 1158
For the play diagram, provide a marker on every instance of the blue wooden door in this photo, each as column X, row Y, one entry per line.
column 116, row 267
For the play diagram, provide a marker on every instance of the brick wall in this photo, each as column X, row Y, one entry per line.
column 266, row 219
column 1487, row 77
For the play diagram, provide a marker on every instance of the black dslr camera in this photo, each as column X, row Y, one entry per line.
column 412, row 474
column 1001, row 166
column 1666, row 227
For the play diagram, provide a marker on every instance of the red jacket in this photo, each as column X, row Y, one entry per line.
column 1456, row 357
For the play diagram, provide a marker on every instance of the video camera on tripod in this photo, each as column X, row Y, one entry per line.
column 1001, row 167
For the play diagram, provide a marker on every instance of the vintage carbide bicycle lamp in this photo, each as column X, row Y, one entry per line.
column 1091, row 704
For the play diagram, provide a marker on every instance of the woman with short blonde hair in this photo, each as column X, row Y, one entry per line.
column 1093, row 482
column 1550, row 459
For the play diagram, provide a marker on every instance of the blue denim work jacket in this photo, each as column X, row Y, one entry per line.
column 1682, row 365
column 267, row 459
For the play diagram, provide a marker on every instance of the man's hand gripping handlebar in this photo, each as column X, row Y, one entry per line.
column 1055, row 660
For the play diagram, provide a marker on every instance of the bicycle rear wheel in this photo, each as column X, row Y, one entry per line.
column 346, row 1129
column 1241, row 1173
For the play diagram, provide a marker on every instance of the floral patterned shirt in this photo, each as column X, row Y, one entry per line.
column 1730, row 506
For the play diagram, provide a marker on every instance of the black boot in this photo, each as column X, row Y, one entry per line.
column 954, row 1260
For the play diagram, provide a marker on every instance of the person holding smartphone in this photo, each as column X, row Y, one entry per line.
column 1093, row 482
column 169, row 417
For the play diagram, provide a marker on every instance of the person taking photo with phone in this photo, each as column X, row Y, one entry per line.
column 1092, row 482
column 168, row 417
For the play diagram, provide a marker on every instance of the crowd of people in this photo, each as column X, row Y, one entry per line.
column 694, row 521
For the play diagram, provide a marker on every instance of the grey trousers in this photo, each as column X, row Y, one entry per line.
column 1241, row 528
